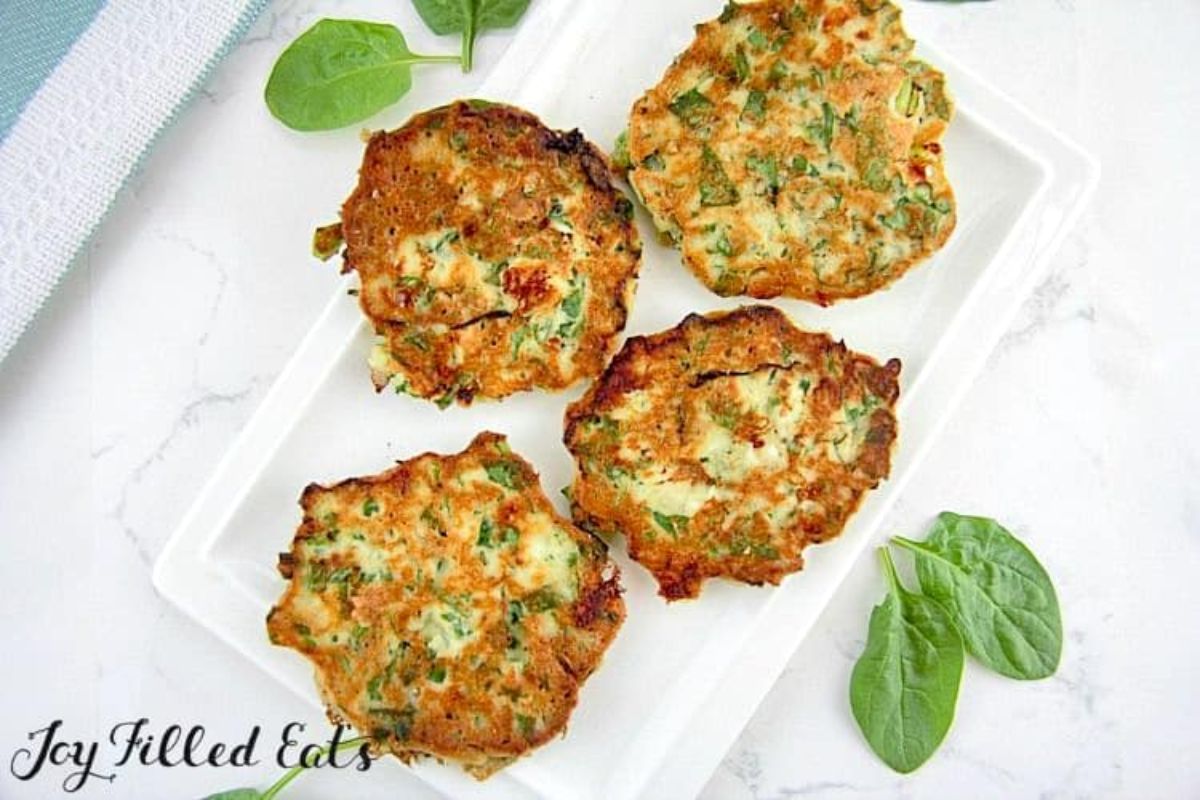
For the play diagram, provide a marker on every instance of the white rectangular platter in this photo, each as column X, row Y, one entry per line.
column 582, row 64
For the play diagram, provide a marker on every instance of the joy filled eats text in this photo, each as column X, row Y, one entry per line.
column 54, row 754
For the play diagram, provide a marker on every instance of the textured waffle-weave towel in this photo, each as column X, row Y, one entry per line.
column 86, row 127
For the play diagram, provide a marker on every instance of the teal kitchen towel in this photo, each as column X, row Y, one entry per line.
column 85, row 88
column 36, row 37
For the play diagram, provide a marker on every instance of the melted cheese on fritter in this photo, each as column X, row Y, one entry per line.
column 495, row 255
column 794, row 149
column 447, row 609
column 724, row 446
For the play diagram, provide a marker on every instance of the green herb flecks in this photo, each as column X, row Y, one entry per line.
column 327, row 240
column 654, row 162
column 559, row 220
column 541, row 600
column 822, row 130
column 716, row 189
column 741, row 64
column 674, row 524
column 756, row 106
column 620, row 153
column 506, row 473
column 692, row 107
column 767, row 168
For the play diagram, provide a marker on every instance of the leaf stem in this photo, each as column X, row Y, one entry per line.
column 468, row 46
column 420, row 59
column 295, row 771
column 908, row 544
column 889, row 569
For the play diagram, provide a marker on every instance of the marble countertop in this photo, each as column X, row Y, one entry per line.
column 159, row 345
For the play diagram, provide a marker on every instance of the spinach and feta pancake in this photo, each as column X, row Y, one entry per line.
column 495, row 254
column 447, row 609
column 726, row 445
column 795, row 149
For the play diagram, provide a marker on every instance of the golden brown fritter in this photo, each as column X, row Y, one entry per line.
column 495, row 254
column 447, row 609
column 727, row 444
column 795, row 149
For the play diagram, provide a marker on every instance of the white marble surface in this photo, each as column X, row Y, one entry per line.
column 1080, row 433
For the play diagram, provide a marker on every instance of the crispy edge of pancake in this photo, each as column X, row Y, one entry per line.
column 448, row 361
column 597, row 611
column 757, row 337
column 780, row 276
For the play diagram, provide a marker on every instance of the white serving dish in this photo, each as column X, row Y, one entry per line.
column 680, row 682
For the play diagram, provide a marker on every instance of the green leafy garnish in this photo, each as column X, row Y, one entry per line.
column 905, row 685
column 998, row 593
column 470, row 18
column 983, row 592
column 370, row 507
column 288, row 777
column 341, row 71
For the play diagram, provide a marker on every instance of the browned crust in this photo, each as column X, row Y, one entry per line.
column 471, row 339
column 669, row 193
column 677, row 361
column 469, row 721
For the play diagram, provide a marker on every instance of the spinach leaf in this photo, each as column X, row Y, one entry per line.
column 236, row 794
column 469, row 17
column 1000, row 596
column 341, row 71
column 905, row 684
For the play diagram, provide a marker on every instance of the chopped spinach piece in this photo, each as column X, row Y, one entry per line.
column 692, row 107
column 506, row 473
column 654, row 162
column 768, row 168
column 741, row 64
column 756, row 106
column 716, row 189
column 673, row 524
